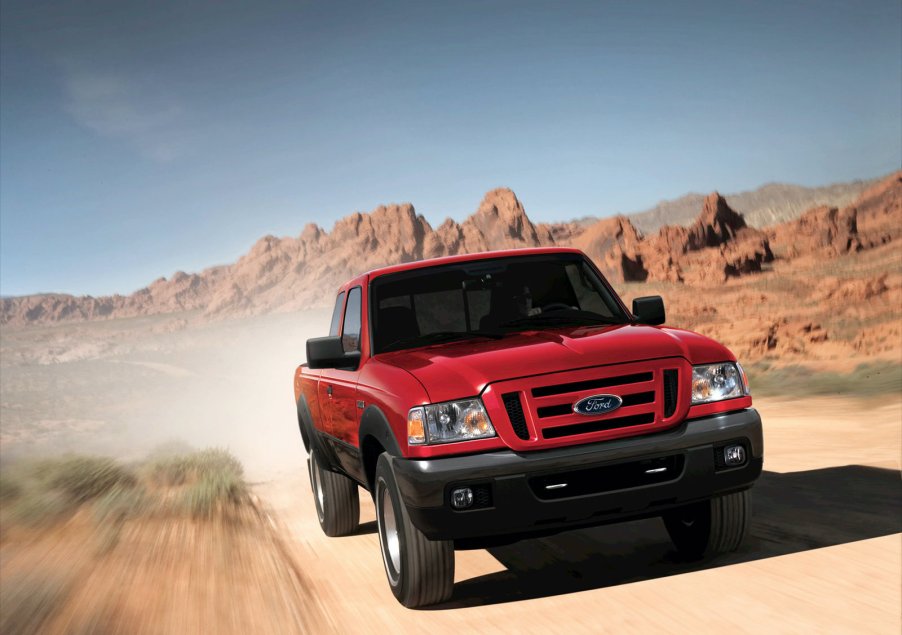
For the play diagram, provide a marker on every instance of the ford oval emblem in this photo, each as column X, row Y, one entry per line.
column 597, row 405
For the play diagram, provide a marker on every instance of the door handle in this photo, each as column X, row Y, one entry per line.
column 329, row 390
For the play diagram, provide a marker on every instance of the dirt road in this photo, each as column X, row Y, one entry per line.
column 824, row 554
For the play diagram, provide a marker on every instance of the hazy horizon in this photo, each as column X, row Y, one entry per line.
column 142, row 140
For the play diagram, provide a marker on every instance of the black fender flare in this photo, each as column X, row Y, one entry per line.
column 305, row 424
column 374, row 426
column 374, row 423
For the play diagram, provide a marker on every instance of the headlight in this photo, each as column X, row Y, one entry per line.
column 715, row 382
column 447, row 422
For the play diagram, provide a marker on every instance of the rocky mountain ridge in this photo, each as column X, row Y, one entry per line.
column 767, row 205
column 293, row 273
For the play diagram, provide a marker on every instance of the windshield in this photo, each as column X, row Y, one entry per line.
column 488, row 298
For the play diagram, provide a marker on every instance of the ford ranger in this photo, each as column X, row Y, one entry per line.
column 488, row 398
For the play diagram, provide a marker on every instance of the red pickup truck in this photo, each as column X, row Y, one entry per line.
column 488, row 398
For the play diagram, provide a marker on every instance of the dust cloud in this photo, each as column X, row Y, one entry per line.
column 125, row 387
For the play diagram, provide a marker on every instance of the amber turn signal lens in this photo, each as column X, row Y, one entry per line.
column 416, row 427
column 477, row 422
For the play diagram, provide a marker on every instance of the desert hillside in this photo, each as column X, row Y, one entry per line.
column 766, row 205
column 168, row 540
column 828, row 281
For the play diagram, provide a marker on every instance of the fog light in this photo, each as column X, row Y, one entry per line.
column 734, row 455
column 461, row 498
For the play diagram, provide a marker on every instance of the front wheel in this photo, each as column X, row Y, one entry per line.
column 336, row 498
column 711, row 527
column 420, row 571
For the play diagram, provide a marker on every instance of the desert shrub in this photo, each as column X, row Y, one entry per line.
column 213, row 479
column 37, row 507
column 29, row 601
column 169, row 471
column 189, row 468
column 82, row 478
column 42, row 492
column 212, row 492
column 121, row 503
column 217, row 461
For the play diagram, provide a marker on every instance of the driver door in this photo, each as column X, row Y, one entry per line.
column 340, row 386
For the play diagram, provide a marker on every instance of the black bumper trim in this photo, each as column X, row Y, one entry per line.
column 424, row 484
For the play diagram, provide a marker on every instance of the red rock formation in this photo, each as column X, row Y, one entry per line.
column 559, row 233
column 823, row 230
column 716, row 225
column 717, row 246
column 878, row 212
column 851, row 291
column 500, row 223
column 283, row 274
column 613, row 243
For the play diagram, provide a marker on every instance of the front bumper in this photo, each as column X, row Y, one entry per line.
column 519, row 505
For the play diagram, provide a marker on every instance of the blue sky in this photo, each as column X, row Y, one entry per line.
column 137, row 139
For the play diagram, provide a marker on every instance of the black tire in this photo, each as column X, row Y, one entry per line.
column 335, row 497
column 420, row 571
column 712, row 527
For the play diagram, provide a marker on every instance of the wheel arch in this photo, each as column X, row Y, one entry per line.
column 305, row 423
column 375, row 437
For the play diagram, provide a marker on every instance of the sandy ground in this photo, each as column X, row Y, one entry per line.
column 824, row 555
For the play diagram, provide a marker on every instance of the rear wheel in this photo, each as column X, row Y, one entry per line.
column 419, row 571
column 336, row 498
column 715, row 526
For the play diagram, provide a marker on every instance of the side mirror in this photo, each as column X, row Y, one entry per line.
column 327, row 352
column 649, row 310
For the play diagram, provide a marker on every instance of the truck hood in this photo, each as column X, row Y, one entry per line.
column 463, row 369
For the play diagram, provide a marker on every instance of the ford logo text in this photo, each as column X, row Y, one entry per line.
column 597, row 405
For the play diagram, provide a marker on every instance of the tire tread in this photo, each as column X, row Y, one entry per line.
column 341, row 501
column 427, row 576
column 721, row 524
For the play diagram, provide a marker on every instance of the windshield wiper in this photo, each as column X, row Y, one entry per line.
column 439, row 337
column 564, row 317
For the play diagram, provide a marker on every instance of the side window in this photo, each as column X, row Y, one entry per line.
column 350, row 336
column 336, row 314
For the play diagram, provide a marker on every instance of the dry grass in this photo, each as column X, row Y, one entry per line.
column 210, row 481
column 43, row 492
column 866, row 380
column 200, row 484
column 82, row 478
column 174, row 543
